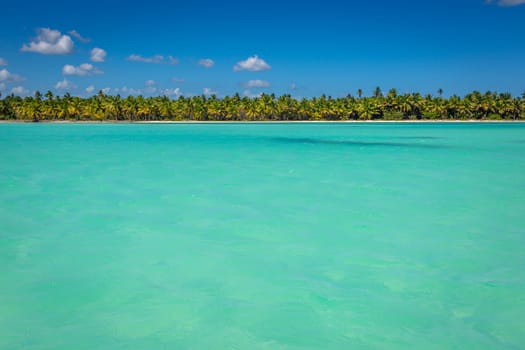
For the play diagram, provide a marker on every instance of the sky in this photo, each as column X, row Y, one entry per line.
column 303, row 48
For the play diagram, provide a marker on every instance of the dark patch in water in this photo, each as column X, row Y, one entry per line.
column 314, row 141
column 418, row 137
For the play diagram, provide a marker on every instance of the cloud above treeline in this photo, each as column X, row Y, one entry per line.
column 98, row 55
column 19, row 90
column 149, row 89
column 157, row 59
column 253, row 64
column 6, row 76
column 507, row 3
column 79, row 37
column 206, row 62
column 65, row 85
column 3, row 62
column 82, row 70
column 208, row 91
column 255, row 84
column 50, row 42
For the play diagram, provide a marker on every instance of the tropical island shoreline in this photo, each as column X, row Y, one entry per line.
column 270, row 108
column 375, row 121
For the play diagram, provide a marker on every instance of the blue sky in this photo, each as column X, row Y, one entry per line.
column 304, row 48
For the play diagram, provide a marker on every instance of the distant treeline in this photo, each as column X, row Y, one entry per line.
column 380, row 106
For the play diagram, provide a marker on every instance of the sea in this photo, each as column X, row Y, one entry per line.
column 262, row 236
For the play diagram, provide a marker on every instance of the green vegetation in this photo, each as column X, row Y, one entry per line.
column 392, row 106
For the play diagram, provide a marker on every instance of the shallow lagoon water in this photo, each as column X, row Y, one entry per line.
column 262, row 236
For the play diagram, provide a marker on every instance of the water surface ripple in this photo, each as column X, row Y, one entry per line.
column 262, row 236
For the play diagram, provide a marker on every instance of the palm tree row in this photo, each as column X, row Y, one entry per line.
column 392, row 106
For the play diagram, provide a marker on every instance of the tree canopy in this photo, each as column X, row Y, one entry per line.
column 266, row 107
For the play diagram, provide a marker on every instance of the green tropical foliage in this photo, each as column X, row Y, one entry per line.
column 266, row 107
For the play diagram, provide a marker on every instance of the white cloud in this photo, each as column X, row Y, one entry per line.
column 253, row 64
column 2, row 86
column 98, row 55
column 150, row 87
column 83, row 70
column 153, row 59
column 171, row 92
column 508, row 3
column 249, row 94
column 256, row 84
column 50, row 42
column 130, row 91
column 208, row 92
column 79, row 37
column 173, row 60
column 157, row 59
column 5, row 75
column 8, row 77
column 3, row 62
column 293, row 86
column 148, row 90
column 106, row 90
column 19, row 90
column 206, row 62
column 65, row 85
column 90, row 89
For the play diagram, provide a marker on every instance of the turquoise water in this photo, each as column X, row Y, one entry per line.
column 262, row 236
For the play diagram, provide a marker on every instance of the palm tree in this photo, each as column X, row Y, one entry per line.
column 368, row 109
column 265, row 107
column 377, row 92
